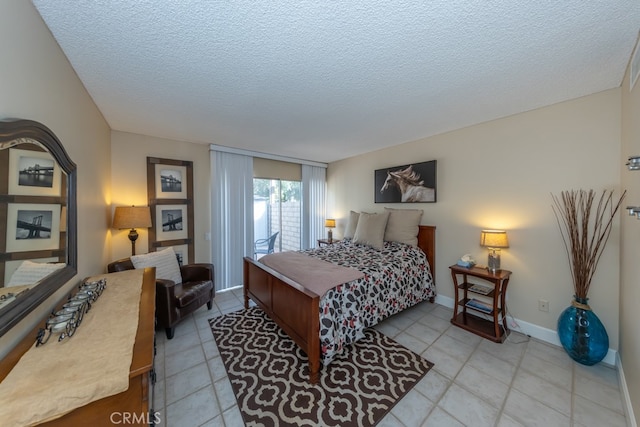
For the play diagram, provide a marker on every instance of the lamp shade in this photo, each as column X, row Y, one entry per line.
column 330, row 223
column 132, row 217
column 494, row 239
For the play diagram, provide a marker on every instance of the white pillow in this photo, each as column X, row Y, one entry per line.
column 30, row 272
column 352, row 223
column 164, row 261
column 402, row 226
column 370, row 229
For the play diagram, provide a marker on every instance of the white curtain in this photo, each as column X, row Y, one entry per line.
column 231, row 215
column 313, row 204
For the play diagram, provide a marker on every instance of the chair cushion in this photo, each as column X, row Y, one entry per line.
column 193, row 291
column 164, row 261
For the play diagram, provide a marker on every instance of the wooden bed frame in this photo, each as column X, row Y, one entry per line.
column 296, row 309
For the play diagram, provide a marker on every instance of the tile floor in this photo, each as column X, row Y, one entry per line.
column 523, row 382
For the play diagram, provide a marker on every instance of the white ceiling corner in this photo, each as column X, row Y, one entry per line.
column 322, row 80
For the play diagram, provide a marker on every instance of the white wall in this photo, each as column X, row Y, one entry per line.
column 129, row 154
column 38, row 83
column 501, row 174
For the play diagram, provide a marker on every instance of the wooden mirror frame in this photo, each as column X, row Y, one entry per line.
column 12, row 133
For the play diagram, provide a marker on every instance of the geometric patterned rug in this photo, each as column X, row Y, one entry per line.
column 269, row 375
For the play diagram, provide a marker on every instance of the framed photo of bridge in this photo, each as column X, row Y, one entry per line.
column 171, row 182
column 412, row 183
column 32, row 227
column 33, row 173
column 170, row 195
column 172, row 222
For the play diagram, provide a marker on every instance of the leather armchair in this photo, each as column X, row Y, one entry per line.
column 175, row 301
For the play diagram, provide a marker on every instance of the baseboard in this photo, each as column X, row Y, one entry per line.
column 543, row 334
column 626, row 398
column 445, row 301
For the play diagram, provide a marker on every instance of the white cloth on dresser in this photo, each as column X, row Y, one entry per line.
column 58, row 377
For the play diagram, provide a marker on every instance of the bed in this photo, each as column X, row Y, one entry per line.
column 300, row 312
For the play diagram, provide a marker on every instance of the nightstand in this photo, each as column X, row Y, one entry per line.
column 326, row 242
column 478, row 299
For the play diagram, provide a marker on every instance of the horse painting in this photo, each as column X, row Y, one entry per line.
column 410, row 184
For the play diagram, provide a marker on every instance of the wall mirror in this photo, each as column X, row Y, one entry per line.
column 38, row 212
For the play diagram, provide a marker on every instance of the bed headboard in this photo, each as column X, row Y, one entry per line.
column 427, row 242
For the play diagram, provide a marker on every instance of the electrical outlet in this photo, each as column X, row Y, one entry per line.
column 543, row 305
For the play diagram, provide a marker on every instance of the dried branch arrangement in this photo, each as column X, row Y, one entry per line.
column 585, row 231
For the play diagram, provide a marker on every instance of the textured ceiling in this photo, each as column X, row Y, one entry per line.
column 324, row 80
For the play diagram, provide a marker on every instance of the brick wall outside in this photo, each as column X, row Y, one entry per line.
column 290, row 235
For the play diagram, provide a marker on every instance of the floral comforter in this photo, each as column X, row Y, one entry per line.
column 396, row 277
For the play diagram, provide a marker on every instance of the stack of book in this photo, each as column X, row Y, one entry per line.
column 479, row 305
column 480, row 289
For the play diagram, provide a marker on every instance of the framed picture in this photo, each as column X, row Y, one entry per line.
column 182, row 253
column 172, row 222
column 171, row 182
column 32, row 227
column 170, row 194
column 413, row 183
column 33, row 173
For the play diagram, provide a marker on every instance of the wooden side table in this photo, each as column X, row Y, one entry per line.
column 492, row 292
column 326, row 242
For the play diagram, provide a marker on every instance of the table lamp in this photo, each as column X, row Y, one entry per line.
column 132, row 217
column 330, row 223
column 494, row 240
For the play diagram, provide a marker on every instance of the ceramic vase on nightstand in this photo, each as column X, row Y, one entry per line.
column 582, row 334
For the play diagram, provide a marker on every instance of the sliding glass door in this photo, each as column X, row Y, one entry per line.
column 276, row 212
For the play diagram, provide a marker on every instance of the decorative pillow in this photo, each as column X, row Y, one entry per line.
column 402, row 226
column 30, row 272
column 352, row 223
column 164, row 261
column 370, row 229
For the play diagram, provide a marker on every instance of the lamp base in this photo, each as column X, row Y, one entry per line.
column 330, row 236
column 133, row 236
column 493, row 263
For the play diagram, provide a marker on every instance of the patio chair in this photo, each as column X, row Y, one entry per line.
column 265, row 246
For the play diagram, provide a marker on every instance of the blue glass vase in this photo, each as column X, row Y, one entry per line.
column 582, row 334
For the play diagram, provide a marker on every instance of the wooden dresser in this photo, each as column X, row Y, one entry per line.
column 131, row 407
